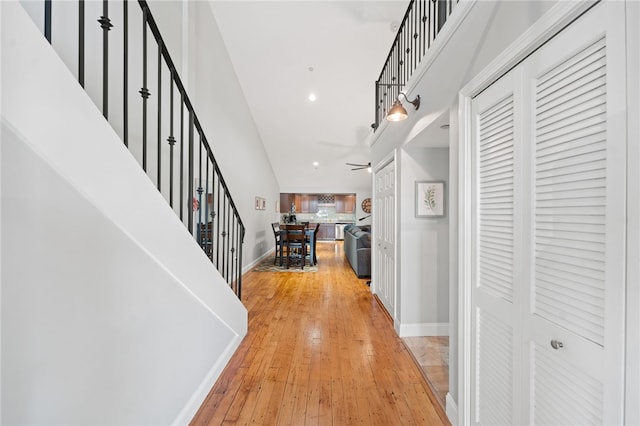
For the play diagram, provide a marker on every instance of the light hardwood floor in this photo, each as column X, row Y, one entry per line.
column 320, row 350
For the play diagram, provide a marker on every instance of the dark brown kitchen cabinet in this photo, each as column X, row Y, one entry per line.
column 308, row 203
column 285, row 202
column 304, row 203
column 345, row 203
column 296, row 199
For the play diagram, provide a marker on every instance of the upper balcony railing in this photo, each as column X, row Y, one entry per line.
column 420, row 26
column 121, row 60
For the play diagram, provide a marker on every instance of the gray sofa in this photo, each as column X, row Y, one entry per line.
column 357, row 248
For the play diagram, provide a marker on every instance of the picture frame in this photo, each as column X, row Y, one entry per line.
column 261, row 203
column 430, row 199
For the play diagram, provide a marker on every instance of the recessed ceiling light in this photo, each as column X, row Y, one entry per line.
column 312, row 97
column 316, row 164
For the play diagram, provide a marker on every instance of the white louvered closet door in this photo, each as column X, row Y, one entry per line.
column 497, row 117
column 548, row 147
column 575, row 321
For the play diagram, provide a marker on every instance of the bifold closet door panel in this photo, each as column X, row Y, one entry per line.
column 575, row 84
column 496, row 348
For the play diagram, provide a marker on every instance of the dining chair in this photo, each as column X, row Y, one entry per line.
column 294, row 243
column 206, row 238
column 277, row 235
column 311, row 244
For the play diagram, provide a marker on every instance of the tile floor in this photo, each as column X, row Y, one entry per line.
column 432, row 354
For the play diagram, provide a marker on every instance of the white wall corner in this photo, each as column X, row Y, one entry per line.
column 424, row 329
column 451, row 408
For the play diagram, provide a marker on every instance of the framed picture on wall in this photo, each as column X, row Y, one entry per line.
column 430, row 199
column 261, row 203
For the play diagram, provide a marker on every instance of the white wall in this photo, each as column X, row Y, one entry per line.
column 360, row 196
column 111, row 313
column 423, row 303
column 229, row 126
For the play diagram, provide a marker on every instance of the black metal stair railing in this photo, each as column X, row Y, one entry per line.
column 420, row 26
column 189, row 179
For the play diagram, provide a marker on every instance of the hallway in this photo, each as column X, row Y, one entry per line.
column 319, row 351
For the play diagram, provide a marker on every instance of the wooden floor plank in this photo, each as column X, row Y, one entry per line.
column 320, row 351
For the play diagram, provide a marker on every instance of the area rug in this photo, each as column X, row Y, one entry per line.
column 267, row 266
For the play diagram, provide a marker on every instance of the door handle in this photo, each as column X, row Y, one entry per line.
column 556, row 344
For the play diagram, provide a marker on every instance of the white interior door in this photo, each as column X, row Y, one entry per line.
column 548, row 182
column 384, row 231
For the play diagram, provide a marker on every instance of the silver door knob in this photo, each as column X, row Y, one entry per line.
column 557, row 344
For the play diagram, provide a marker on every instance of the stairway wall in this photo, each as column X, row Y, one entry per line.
column 111, row 313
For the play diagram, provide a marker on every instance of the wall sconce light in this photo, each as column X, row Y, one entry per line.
column 397, row 111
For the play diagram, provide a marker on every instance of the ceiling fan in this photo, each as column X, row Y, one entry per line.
column 359, row 166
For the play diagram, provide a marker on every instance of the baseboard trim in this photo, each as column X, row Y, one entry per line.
column 387, row 314
column 424, row 329
column 451, row 409
column 195, row 402
column 256, row 262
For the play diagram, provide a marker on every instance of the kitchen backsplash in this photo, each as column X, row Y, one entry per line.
column 326, row 215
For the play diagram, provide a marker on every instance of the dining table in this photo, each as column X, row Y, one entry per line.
column 309, row 237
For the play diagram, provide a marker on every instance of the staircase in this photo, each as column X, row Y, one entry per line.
column 116, row 52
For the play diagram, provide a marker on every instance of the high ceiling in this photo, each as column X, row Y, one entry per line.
column 283, row 51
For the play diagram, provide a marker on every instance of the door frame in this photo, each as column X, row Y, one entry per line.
column 556, row 18
column 632, row 367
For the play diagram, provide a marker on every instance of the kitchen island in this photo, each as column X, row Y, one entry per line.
column 330, row 231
